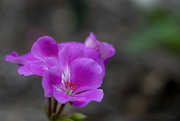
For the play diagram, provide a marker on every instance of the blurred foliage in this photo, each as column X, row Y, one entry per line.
column 161, row 29
column 80, row 9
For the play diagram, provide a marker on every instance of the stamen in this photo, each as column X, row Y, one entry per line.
column 70, row 86
column 67, row 83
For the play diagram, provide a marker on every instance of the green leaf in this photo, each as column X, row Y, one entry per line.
column 68, row 119
column 65, row 118
column 78, row 117
column 53, row 117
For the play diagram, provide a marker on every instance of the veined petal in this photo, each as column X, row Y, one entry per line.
column 93, row 95
column 86, row 74
column 45, row 47
column 69, row 54
column 51, row 80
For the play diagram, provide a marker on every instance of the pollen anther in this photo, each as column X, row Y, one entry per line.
column 71, row 86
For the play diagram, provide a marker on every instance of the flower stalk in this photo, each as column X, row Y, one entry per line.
column 49, row 105
column 55, row 106
column 60, row 110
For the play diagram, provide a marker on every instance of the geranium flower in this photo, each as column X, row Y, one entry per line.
column 77, row 79
column 72, row 72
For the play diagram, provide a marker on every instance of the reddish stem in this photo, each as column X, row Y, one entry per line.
column 60, row 110
column 49, row 102
column 55, row 106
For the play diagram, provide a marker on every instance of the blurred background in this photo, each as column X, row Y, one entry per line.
column 142, row 81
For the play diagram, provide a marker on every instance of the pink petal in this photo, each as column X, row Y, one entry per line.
column 69, row 54
column 51, row 61
column 28, row 57
column 96, row 56
column 38, row 68
column 61, row 97
column 45, row 47
column 51, row 79
column 93, row 35
column 93, row 95
column 86, row 74
column 106, row 51
column 75, row 44
column 20, row 60
column 91, row 41
column 25, row 70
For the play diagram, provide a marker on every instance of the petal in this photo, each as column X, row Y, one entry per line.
column 91, row 41
column 20, row 60
column 104, row 48
column 61, row 96
column 25, row 70
column 28, row 57
column 51, row 80
column 96, row 56
column 92, row 35
column 51, row 61
column 69, row 54
column 86, row 74
column 93, row 95
column 38, row 68
column 45, row 47
column 75, row 44
column 106, row 51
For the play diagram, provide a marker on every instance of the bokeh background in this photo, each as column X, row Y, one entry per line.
column 142, row 79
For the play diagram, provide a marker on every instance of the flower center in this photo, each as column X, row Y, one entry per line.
column 66, row 81
column 71, row 86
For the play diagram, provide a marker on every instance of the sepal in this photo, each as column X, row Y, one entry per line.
column 78, row 117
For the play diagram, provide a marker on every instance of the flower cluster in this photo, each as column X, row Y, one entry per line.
column 71, row 71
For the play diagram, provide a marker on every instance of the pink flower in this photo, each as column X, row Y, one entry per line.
column 77, row 79
column 106, row 50
column 72, row 71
